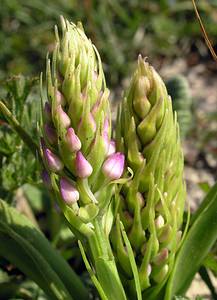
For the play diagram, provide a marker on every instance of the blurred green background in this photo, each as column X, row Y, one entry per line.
column 120, row 29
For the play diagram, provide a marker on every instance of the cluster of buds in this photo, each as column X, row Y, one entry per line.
column 83, row 164
column 152, row 203
column 78, row 153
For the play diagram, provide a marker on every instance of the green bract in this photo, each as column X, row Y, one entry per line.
column 152, row 203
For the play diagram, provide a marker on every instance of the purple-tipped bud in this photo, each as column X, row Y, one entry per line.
column 50, row 133
column 47, row 111
column 83, row 167
column 68, row 192
column 53, row 161
column 111, row 148
column 113, row 167
column 46, row 179
column 63, row 117
column 60, row 98
column 72, row 140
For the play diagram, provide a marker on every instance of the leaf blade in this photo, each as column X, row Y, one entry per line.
column 195, row 246
column 30, row 234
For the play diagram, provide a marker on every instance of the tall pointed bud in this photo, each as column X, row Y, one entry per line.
column 148, row 133
column 83, row 167
column 72, row 140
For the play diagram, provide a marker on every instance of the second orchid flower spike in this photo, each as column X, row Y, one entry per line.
column 152, row 204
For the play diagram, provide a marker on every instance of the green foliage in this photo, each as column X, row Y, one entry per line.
column 196, row 246
column 120, row 29
column 18, row 164
column 179, row 90
column 35, row 256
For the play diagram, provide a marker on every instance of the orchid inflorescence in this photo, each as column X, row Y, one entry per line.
column 87, row 170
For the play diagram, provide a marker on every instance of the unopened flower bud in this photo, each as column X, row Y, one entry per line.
column 60, row 98
column 113, row 167
column 63, row 117
column 112, row 147
column 53, row 161
column 159, row 222
column 50, row 133
column 68, row 192
column 72, row 140
column 161, row 257
column 83, row 167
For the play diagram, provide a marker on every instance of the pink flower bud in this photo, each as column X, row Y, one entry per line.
column 68, row 192
column 46, row 179
column 53, row 161
column 113, row 167
column 63, row 117
column 50, row 133
column 60, row 98
column 47, row 111
column 83, row 167
column 161, row 257
column 72, row 140
column 111, row 148
column 159, row 222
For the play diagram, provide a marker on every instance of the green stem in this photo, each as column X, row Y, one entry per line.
column 19, row 129
column 104, row 263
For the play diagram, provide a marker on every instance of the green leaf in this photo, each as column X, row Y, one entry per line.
column 27, row 248
column 132, row 262
column 196, row 245
column 91, row 273
column 210, row 262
